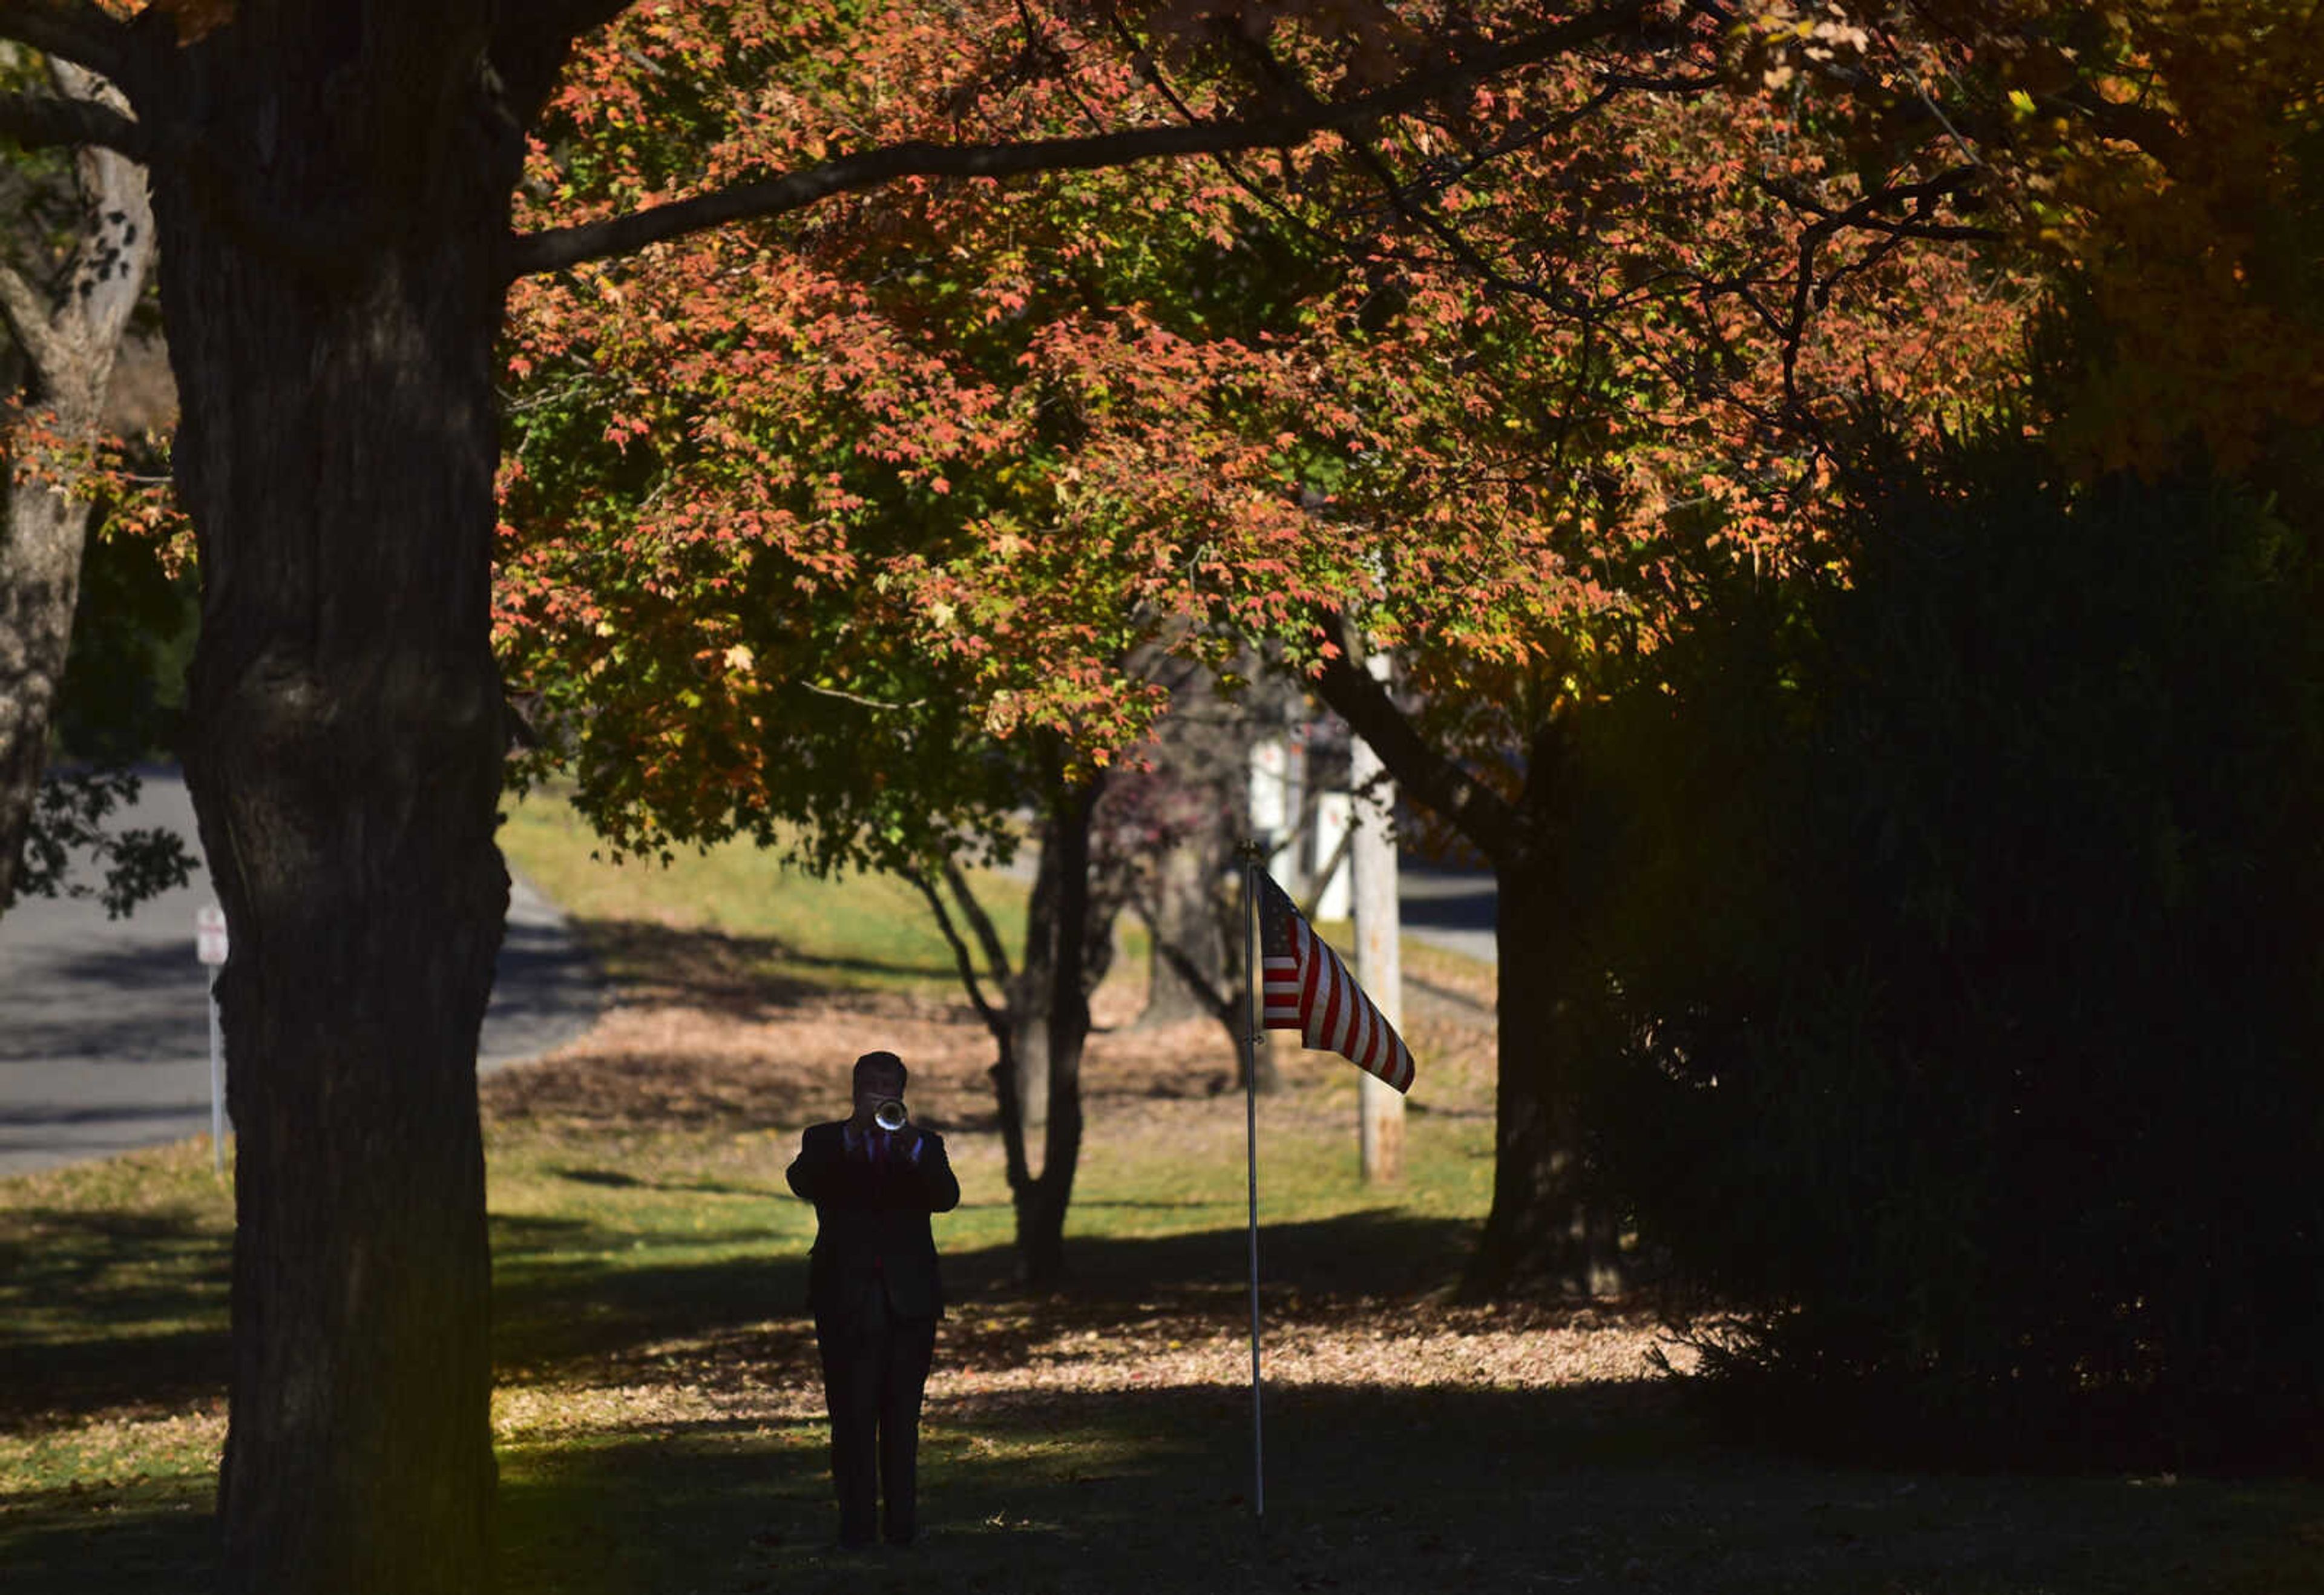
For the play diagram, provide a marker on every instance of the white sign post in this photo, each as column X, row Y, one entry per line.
column 209, row 946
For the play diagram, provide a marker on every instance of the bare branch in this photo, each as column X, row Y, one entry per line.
column 565, row 246
column 72, row 338
column 1482, row 816
column 72, row 29
column 43, row 121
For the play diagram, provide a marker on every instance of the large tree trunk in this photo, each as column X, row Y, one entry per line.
column 332, row 314
column 68, row 346
column 1546, row 1230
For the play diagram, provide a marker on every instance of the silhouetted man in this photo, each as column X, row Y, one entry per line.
column 872, row 1284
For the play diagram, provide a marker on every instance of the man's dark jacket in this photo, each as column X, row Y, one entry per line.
column 871, row 1222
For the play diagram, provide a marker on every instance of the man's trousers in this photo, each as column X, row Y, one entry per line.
column 876, row 1365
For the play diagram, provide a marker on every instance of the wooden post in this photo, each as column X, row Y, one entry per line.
column 1379, row 966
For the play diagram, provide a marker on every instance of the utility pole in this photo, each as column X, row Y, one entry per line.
column 1379, row 964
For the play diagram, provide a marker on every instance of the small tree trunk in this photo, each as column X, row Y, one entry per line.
column 336, row 456
column 1051, row 1010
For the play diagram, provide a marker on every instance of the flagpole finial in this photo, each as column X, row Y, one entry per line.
column 1252, row 849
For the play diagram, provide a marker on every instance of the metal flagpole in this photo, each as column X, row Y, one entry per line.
column 1250, row 1160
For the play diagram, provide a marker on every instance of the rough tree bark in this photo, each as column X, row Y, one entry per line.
column 1547, row 1228
column 69, row 339
column 333, row 283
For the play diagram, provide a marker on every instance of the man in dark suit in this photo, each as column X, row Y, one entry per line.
column 872, row 1285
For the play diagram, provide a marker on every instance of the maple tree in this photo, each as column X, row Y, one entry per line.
column 782, row 560
column 333, row 189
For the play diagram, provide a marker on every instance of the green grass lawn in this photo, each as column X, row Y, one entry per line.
column 658, row 1417
column 847, row 931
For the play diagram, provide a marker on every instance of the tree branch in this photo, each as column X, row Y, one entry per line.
column 1864, row 214
column 996, row 956
column 71, row 28
column 44, row 121
column 1486, row 818
column 994, row 1021
column 565, row 246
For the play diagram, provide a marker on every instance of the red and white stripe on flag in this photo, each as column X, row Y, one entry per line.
column 1304, row 987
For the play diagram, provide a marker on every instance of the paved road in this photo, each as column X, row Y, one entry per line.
column 104, row 1024
column 1453, row 909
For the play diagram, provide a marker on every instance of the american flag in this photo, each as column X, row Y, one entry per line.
column 1304, row 987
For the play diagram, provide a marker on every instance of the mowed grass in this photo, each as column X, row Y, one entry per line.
column 847, row 931
column 658, row 1418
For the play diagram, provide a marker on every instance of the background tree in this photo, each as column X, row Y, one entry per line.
column 1177, row 818
column 829, row 596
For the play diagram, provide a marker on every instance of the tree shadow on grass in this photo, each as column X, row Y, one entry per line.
column 140, row 1301
column 1593, row 1488
column 149, row 1538
column 750, row 977
column 1379, row 1486
column 109, row 1310
column 1600, row 1489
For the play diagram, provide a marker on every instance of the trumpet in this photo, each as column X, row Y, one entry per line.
column 890, row 1115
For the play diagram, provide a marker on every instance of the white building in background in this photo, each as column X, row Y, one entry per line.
column 1328, row 849
column 1303, row 826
